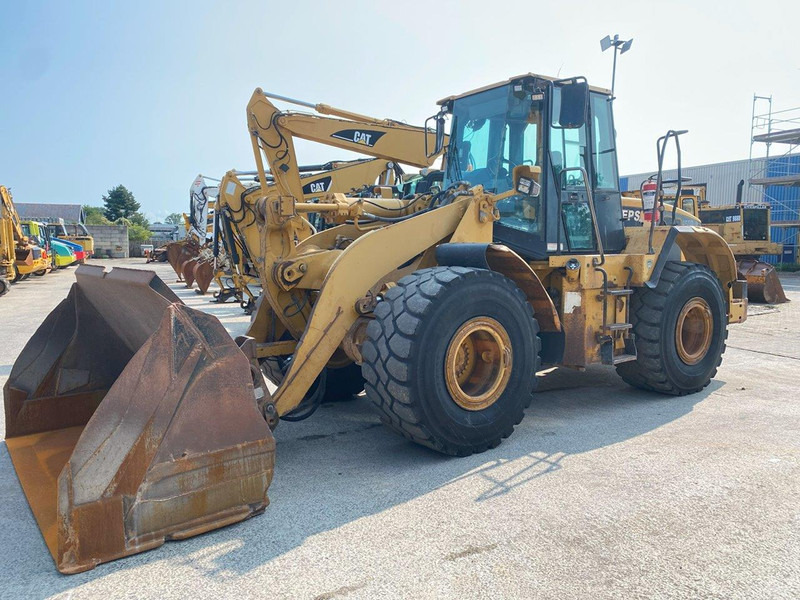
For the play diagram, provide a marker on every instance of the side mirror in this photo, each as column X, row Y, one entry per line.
column 439, row 118
column 526, row 180
column 574, row 99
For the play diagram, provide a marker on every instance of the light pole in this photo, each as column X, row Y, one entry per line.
column 621, row 47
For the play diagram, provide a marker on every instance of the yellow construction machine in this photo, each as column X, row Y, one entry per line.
column 389, row 142
column 8, row 246
column 237, row 244
column 745, row 226
column 75, row 233
column 133, row 419
column 19, row 256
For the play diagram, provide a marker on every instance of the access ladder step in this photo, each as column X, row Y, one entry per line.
column 618, row 327
column 622, row 358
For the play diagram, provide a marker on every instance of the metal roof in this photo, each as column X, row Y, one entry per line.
column 40, row 211
column 511, row 79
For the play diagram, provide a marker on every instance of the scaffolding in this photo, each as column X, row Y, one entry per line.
column 775, row 178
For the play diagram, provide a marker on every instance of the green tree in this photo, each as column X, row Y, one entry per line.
column 136, row 232
column 120, row 203
column 138, row 218
column 94, row 215
column 174, row 219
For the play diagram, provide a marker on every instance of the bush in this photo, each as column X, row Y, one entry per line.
column 95, row 216
column 787, row 267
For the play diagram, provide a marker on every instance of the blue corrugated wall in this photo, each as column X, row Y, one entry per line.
column 785, row 201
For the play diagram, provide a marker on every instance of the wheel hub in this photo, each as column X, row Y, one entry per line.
column 478, row 363
column 694, row 330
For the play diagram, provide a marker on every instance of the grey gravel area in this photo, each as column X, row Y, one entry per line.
column 603, row 491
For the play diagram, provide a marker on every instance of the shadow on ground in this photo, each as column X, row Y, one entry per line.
column 342, row 465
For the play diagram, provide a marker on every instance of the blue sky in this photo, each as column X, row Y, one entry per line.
column 148, row 94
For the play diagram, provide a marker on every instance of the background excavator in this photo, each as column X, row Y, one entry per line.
column 198, row 228
column 391, row 143
column 236, row 245
column 19, row 257
column 133, row 419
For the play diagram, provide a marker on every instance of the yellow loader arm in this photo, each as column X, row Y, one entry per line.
column 273, row 132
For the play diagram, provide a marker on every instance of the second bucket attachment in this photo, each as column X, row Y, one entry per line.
column 131, row 419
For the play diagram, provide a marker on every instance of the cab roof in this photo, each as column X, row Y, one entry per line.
column 600, row 90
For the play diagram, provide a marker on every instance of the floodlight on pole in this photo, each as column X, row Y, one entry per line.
column 620, row 47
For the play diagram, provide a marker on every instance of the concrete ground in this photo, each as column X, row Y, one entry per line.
column 602, row 491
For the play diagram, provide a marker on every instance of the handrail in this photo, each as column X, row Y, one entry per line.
column 661, row 147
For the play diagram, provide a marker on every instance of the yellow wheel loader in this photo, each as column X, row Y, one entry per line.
column 133, row 419
column 745, row 226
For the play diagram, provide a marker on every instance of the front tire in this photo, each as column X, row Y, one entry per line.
column 680, row 327
column 450, row 359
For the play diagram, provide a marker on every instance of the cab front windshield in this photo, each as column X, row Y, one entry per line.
column 493, row 132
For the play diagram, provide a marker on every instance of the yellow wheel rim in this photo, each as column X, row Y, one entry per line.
column 478, row 363
column 694, row 331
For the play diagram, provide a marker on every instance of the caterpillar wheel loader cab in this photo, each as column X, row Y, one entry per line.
column 449, row 302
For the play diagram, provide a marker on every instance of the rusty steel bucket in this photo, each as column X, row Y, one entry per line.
column 187, row 269
column 179, row 252
column 131, row 420
column 203, row 275
column 763, row 284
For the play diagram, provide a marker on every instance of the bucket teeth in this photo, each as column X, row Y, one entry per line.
column 119, row 452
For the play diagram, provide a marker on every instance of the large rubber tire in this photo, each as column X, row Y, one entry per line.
column 654, row 314
column 406, row 345
column 4, row 285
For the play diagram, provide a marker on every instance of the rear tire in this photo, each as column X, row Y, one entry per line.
column 430, row 380
column 4, row 286
column 688, row 295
